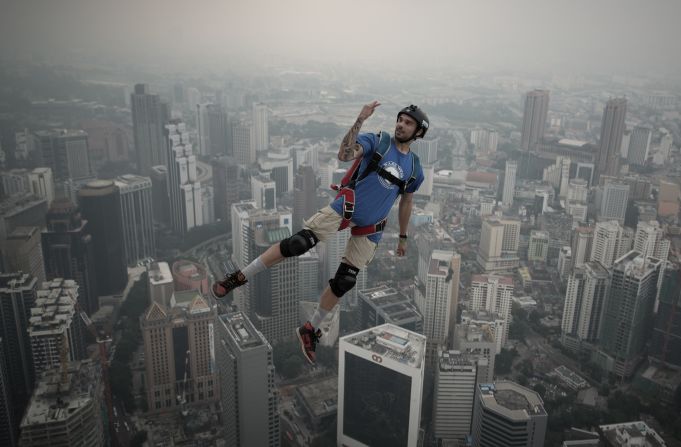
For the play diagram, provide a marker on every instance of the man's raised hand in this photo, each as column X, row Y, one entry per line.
column 368, row 110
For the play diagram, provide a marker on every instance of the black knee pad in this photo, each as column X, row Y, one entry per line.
column 299, row 243
column 345, row 279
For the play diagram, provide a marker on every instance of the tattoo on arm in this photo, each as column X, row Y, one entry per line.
column 349, row 147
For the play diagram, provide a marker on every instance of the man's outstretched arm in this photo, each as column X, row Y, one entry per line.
column 350, row 148
column 404, row 214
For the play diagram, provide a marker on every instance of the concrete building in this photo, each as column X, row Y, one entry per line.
column 610, row 242
column 161, row 285
column 278, row 166
column 650, row 241
column 509, row 183
column 179, row 353
column 385, row 364
column 639, row 145
column 499, row 241
column 64, row 414
column 427, row 150
column 383, row 304
column 24, row 252
column 564, row 262
column 668, row 197
column 508, row 414
column 189, row 275
column 212, row 126
column 53, row 317
column 487, row 320
column 454, row 395
column 226, row 186
column 614, row 201
column 261, row 133
column 477, row 341
column 485, row 140
column 149, row 116
column 65, row 152
column 534, row 119
column 249, row 399
column 305, row 196
column 242, row 143
column 627, row 434
column 582, row 241
column 137, row 216
column 309, row 266
column 493, row 294
column 264, row 192
column 41, row 184
column 539, row 246
column 9, row 433
column 612, row 128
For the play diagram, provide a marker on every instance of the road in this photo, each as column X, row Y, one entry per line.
column 124, row 428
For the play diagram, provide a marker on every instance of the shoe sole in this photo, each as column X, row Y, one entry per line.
column 302, row 347
column 217, row 297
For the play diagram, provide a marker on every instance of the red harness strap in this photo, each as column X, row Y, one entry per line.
column 348, row 195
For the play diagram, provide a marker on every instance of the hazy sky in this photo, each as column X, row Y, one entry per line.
column 609, row 36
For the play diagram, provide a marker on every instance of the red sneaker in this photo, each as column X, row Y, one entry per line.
column 231, row 282
column 308, row 340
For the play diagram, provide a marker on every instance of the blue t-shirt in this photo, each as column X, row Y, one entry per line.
column 374, row 195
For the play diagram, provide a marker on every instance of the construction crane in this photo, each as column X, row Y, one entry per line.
column 182, row 398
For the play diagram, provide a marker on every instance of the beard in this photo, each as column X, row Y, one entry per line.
column 402, row 138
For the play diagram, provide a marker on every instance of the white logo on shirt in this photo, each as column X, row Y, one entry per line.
column 395, row 170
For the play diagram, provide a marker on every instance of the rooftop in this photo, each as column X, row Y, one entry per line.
column 511, row 400
column 159, row 273
column 321, row 398
column 53, row 309
column 242, row 331
column 455, row 361
column 391, row 342
column 621, row 434
column 505, row 280
column 390, row 304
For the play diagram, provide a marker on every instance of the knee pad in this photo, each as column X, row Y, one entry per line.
column 345, row 279
column 299, row 243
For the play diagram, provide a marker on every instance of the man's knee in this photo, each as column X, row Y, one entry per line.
column 345, row 279
column 298, row 244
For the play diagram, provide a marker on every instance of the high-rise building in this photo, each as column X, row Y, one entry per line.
column 587, row 290
column 211, row 123
column 380, row 387
column 508, row 414
column 261, row 133
column 493, row 294
column 538, row 249
column 184, row 189
column 249, row 397
column 614, row 201
column 485, row 140
column 53, row 317
column 41, row 184
column 564, row 262
column 477, row 340
column 665, row 343
column 454, row 395
column 612, row 128
column 628, row 313
column 639, row 145
column 137, row 215
column 24, row 252
column 509, row 183
column 264, row 192
column 534, row 119
column 668, row 198
column 499, row 241
column 610, row 242
column 159, row 193
column 309, row 266
column 189, row 275
column 427, row 150
column 242, row 143
column 161, row 285
column 240, row 213
column 437, row 299
column 69, row 252
column 630, row 434
column 65, row 152
column 304, row 196
column 649, row 240
column 9, row 433
column 63, row 414
column 179, row 350
column 149, row 116
column 278, row 166
column 226, row 186
column 17, row 295
column 383, row 304
column 582, row 240
column 100, row 202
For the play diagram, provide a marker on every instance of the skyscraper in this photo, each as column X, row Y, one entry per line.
column 24, row 252
column 159, row 193
column 100, row 201
column 69, row 251
column 534, row 118
column 538, row 249
column 383, row 304
column 610, row 242
column 66, row 153
column 612, row 128
column 499, row 241
column 493, row 294
column 137, row 215
column 304, row 196
column 226, row 186
column 454, row 395
column 41, row 184
column 614, row 201
column 249, row 397
column 242, row 145
column 639, row 145
column 9, row 433
column 380, row 387
column 261, row 133
column 149, row 115
column 211, row 123
column 582, row 240
column 264, row 192
column 184, row 189
column 509, row 183
column 628, row 313
column 161, row 285
column 649, row 240
column 426, row 150
column 508, row 414
column 665, row 343
column 478, row 341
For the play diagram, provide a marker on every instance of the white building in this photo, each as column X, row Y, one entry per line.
column 614, row 201
column 539, row 246
column 380, row 387
column 161, row 286
column 454, row 395
column 639, row 145
column 41, row 184
column 426, row 150
column 509, row 183
column 264, row 192
column 261, row 133
column 493, row 294
column 137, row 215
column 610, row 242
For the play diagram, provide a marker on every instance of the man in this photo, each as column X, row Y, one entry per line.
column 385, row 169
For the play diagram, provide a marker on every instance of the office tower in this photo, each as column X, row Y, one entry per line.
column 587, row 290
column 208, row 204
column 509, row 183
column 437, row 299
column 564, row 177
column 184, row 189
column 610, row 242
column 159, row 193
column 240, row 221
column 612, row 128
column 508, row 414
column 66, row 153
column 477, row 340
column 649, row 240
column 189, row 275
column 226, row 186
column 304, row 196
column 493, row 294
column 53, row 317
column 582, row 241
column 63, row 414
column 539, row 246
column 149, row 116
column 668, row 198
column 137, row 214
column 665, row 343
column 586, row 172
column 179, row 354
column 626, row 140
column 41, row 184
column 614, row 201
column 249, row 397
column 380, row 387
column 426, row 150
column 69, row 251
column 639, row 145
column 383, row 304
column 261, row 133
column 664, row 149
column 24, row 252
column 8, row 427
column 309, row 266
column 534, row 119
column 161, row 285
column 278, row 166
column 564, row 262
column 14, row 182
column 242, row 145
column 100, row 202
column 17, row 295
column 485, row 140
column 499, row 241
column 628, row 313
column 211, row 123
column 25, row 144
column 264, row 192
column 454, row 395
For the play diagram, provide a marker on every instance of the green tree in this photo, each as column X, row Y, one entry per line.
column 291, row 368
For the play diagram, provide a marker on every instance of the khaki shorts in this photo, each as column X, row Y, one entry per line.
column 358, row 252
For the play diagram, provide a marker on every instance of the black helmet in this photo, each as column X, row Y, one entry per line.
column 419, row 116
